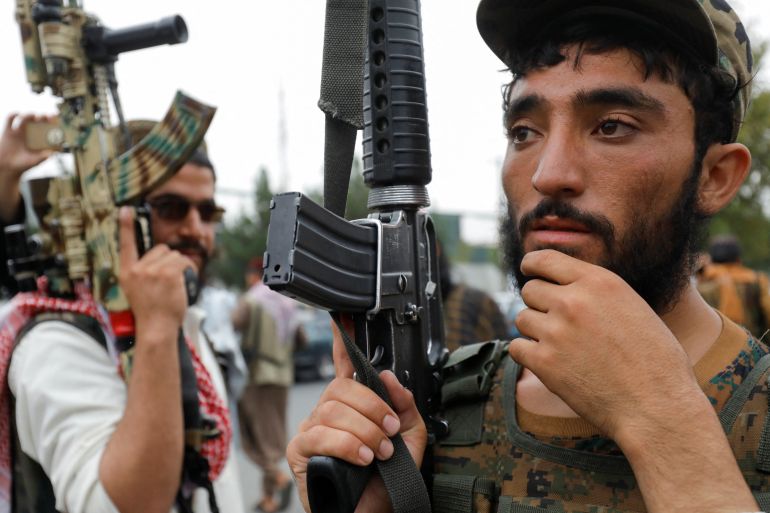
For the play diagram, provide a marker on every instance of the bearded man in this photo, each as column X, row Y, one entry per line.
column 626, row 392
column 86, row 440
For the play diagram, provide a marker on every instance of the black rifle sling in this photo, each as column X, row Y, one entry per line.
column 195, row 468
column 342, row 85
column 197, row 427
column 400, row 474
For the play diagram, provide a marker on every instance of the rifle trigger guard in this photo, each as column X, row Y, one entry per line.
column 378, row 289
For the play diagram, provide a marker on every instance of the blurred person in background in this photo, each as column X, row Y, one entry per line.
column 732, row 288
column 470, row 314
column 218, row 304
column 269, row 331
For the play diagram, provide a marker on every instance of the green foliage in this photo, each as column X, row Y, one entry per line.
column 245, row 238
column 358, row 193
column 748, row 216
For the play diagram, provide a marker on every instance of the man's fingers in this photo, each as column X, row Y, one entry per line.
column 24, row 120
column 532, row 323
column 540, row 294
column 362, row 399
column 402, row 400
column 128, row 252
column 9, row 121
column 523, row 351
column 343, row 367
column 337, row 415
column 161, row 258
column 326, row 441
column 553, row 266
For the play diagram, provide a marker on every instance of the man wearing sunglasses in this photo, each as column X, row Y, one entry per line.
column 86, row 440
column 184, row 213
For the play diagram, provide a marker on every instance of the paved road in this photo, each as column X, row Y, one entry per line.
column 302, row 398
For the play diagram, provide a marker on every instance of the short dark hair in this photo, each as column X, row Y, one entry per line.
column 725, row 249
column 201, row 158
column 710, row 89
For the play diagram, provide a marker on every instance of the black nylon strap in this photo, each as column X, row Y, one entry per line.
column 402, row 478
column 342, row 74
column 339, row 144
column 81, row 321
column 342, row 90
column 453, row 494
column 763, row 499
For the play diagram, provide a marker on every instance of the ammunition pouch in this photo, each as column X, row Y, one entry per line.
column 468, row 377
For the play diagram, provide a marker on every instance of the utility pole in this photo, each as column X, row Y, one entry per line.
column 283, row 161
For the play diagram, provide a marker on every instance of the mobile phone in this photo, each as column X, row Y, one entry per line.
column 44, row 135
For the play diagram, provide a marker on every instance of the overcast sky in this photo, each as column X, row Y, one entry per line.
column 240, row 55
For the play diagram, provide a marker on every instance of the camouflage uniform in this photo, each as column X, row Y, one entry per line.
column 493, row 462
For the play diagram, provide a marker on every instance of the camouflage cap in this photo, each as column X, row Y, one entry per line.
column 710, row 28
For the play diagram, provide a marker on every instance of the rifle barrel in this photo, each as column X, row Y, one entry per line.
column 170, row 30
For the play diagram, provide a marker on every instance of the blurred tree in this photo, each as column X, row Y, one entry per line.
column 243, row 239
column 358, row 193
column 748, row 216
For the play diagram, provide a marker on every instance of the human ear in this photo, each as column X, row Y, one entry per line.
column 725, row 167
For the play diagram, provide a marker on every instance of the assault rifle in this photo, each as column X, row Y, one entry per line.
column 71, row 53
column 382, row 270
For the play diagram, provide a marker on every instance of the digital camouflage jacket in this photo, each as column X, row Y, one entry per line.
column 489, row 464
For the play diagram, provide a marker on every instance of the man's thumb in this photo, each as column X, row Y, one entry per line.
column 128, row 252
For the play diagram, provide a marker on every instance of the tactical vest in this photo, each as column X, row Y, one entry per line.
column 476, row 463
column 32, row 490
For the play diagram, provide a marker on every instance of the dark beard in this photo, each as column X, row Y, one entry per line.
column 197, row 247
column 656, row 257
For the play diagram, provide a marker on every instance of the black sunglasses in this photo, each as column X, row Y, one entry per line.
column 175, row 208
